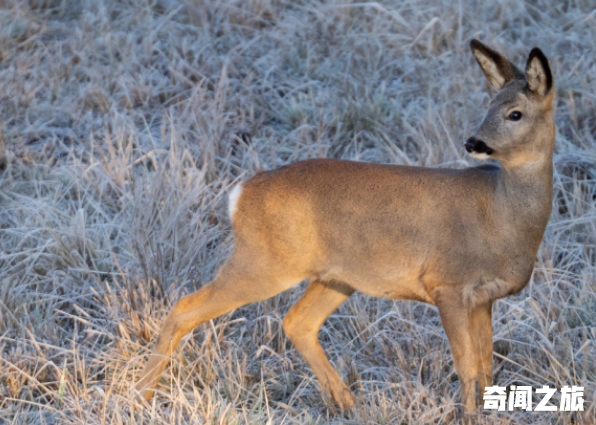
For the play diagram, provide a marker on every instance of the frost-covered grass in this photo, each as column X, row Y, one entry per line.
column 123, row 124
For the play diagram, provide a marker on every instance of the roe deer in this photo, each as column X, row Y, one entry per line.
column 457, row 239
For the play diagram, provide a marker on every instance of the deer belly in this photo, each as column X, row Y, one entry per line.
column 396, row 284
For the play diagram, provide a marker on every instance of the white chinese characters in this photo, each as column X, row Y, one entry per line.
column 520, row 397
column 572, row 399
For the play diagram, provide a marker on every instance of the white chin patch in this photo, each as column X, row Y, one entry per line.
column 480, row 155
column 233, row 198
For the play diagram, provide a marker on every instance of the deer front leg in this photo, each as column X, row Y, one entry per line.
column 456, row 317
column 483, row 340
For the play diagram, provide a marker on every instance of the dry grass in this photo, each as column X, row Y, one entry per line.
column 124, row 123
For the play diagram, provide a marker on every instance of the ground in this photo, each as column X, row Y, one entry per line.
column 124, row 124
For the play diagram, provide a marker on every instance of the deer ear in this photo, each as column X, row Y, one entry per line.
column 538, row 73
column 497, row 69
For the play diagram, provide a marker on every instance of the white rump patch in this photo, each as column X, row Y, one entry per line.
column 233, row 198
column 478, row 155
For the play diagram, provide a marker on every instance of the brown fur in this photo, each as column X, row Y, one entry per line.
column 458, row 239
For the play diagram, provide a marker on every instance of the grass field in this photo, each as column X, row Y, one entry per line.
column 123, row 125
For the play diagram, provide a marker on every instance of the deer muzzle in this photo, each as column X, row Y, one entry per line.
column 473, row 145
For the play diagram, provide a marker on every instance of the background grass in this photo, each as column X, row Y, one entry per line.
column 123, row 124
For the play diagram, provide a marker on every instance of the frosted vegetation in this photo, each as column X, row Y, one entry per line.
column 123, row 125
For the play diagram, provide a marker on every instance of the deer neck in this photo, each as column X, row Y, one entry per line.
column 525, row 194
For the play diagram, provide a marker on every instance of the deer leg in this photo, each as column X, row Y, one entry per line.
column 456, row 317
column 483, row 340
column 229, row 290
column 302, row 324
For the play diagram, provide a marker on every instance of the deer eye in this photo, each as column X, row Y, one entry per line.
column 514, row 116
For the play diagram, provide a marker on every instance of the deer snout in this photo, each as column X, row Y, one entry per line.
column 473, row 145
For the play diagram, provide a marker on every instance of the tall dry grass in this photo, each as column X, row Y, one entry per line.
column 124, row 123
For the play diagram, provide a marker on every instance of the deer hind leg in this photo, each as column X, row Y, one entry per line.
column 456, row 317
column 483, row 340
column 234, row 286
column 302, row 324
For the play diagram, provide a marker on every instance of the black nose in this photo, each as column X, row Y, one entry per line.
column 478, row 146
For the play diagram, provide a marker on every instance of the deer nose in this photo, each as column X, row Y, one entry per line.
column 478, row 146
column 470, row 143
